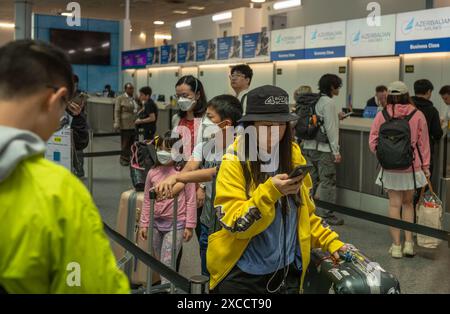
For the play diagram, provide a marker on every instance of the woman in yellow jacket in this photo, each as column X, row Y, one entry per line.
column 268, row 221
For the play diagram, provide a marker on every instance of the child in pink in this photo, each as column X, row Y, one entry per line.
column 163, row 217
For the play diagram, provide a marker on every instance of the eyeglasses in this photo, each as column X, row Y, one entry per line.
column 236, row 76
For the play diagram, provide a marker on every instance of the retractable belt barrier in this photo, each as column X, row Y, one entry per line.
column 380, row 219
column 102, row 154
column 195, row 285
column 106, row 134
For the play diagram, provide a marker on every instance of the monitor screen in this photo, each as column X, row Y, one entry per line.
column 83, row 47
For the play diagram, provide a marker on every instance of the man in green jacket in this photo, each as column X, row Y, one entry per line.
column 51, row 233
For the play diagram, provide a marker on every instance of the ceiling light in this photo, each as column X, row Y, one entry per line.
column 197, row 8
column 106, row 45
column 222, row 16
column 183, row 24
column 287, row 4
column 7, row 25
column 71, row 52
column 88, row 49
column 258, row 1
column 180, row 12
column 162, row 36
column 158, row 22
column 142, row 36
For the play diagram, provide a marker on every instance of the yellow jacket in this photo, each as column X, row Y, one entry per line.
column 226, row 247
column 51, row 233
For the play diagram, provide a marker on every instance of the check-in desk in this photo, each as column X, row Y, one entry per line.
column 359, row 169
column 101, row 114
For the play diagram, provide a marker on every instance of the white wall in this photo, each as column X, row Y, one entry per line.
column 262, row 74
column 323, row 11
column 189, row 71
column 163, row 80
column 244, row 21
column 308, row 72
column 215, row 80
column 368, row 73
column 434, row 67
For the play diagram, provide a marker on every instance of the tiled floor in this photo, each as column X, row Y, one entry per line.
column 428, row 272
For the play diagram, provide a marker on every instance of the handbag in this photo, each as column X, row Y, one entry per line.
column 429, row 213
column 143, row 158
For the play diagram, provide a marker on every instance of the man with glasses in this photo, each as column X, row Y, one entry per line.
column 241, row 78
column 51, row 234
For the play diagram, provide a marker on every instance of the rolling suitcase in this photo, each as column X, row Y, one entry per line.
column 354, row 273
column 127, row 225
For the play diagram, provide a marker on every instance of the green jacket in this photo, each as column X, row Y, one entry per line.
column 51, row 234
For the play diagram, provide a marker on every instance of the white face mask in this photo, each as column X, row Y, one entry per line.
column 164, row 157
column 185, row 103
column 210, row 129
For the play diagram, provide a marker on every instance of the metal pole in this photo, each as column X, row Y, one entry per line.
column 174, row 240
column 127, row 9
column 199, row 285
column 150, row 240
column 91, row 163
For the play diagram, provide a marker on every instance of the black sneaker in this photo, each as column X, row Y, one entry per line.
column 333, row 220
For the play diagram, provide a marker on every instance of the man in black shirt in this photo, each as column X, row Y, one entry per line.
column 423, row 89
column 148, row 114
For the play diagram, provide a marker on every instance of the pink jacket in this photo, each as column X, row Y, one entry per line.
column 187, row 205
column 419, row 134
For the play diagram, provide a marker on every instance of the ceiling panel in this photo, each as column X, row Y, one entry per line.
column 142, row 13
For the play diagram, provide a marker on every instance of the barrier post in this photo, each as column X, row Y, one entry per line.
column 199, row 284
column 91, row 163
column 174, row 239
column 150, row 240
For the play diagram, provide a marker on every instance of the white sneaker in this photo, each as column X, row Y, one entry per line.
column 408, row 250
column 396, row 251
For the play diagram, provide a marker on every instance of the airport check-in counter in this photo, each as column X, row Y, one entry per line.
column 101, row 115
column 359, row 169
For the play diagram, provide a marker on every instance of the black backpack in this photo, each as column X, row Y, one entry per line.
column 143, row 158
column 394, row 150
column 308, row 124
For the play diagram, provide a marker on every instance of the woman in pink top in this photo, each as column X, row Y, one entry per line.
column 163, row 218
column 399, row 183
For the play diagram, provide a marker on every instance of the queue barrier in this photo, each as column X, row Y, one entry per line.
column 384, row 220
column 194, row 285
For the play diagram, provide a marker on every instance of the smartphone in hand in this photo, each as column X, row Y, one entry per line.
column 301, row 170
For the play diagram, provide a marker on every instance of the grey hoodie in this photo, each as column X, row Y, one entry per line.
column 15, row 146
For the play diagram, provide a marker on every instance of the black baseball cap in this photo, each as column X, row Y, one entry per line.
column 268, row 103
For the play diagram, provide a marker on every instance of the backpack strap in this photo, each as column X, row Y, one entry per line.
column 408, row 117
column 386, row 115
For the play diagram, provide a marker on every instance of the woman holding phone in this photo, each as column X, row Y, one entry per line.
column 267, row 217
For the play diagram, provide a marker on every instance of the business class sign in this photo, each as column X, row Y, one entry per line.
column 288, row 44
column 365, row 40
column 325, row 40
column 423, row 31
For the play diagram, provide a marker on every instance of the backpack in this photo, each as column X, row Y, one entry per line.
column 394, row 150
column 143, row 158
column 308, row 124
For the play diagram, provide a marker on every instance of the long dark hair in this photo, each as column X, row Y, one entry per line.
column 404, row 99
column 252, row 169
column 197, row 87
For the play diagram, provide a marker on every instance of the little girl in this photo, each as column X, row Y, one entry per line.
column 163, row 218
